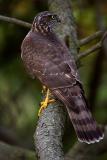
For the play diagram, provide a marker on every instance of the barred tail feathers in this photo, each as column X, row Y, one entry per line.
column 85, row 126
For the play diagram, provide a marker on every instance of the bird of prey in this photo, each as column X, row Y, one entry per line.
column 47, row 57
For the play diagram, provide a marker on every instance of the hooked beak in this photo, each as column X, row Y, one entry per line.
column 58, row 20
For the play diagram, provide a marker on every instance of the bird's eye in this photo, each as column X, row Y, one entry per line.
column 53, row 17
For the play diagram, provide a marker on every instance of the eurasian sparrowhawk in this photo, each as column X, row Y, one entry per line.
column 47, row 57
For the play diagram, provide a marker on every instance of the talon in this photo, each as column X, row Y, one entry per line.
column 46, row 101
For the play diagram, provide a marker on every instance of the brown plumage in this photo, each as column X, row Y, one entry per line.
column 47, row 57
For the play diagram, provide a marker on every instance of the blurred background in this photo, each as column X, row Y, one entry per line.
column 20, row 95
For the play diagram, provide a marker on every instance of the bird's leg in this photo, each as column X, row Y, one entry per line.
column 44, row 89
column 46, row 101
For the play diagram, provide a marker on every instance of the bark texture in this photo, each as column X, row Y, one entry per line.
column 49, row 133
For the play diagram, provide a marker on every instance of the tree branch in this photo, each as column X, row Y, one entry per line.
column 88, row 39
column 15, row 21
column 49, row 133
column 8, row 152
column 89, row 51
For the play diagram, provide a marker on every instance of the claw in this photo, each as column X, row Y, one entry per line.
column 46, row 101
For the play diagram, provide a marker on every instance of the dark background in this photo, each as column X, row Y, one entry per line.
column 20, row 95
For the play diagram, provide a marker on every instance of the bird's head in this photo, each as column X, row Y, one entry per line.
column 45, row 21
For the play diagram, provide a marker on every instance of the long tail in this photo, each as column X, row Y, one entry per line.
column 86, row 127
column 84, row 124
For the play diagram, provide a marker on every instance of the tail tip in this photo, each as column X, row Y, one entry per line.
column 90, row 141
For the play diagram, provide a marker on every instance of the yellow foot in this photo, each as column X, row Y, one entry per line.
column 45, row 103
